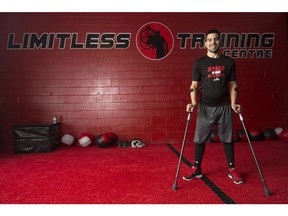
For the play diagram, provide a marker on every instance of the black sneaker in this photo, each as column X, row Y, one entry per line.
column 195, row 172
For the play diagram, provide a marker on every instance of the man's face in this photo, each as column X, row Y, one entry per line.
column 212, row 42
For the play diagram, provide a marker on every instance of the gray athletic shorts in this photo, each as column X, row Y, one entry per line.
column 208, row 116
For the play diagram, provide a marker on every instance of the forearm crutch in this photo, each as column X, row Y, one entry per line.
column 181, row 153
column 266, row 190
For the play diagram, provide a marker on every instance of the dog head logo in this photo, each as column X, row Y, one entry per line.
column 154, row 41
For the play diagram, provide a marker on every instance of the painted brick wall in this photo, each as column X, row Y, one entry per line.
column 100, row 90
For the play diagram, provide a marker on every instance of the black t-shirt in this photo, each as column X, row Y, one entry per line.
column 214, row 75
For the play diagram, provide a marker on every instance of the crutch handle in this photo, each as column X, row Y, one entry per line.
column 189, row 116
column 241, row 117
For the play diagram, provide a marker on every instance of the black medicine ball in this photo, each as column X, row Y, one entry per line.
column 269, row 134
column 214, row 137
column 242, row 135
column 235, row 136
column 256, row 135
column 103, row 141
column 113, row 137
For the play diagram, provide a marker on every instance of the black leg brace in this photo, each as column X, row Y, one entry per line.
column 198, row 153
column 229, row 152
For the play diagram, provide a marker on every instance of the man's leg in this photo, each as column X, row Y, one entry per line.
column 199, row 149
column 195, row 171
column 229, row 151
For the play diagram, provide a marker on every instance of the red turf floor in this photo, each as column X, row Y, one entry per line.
column 77, row 175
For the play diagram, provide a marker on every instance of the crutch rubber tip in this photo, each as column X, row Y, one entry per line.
column 267, row 192
column 174, row 186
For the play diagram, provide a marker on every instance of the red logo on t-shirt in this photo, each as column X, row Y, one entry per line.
column 215, row 72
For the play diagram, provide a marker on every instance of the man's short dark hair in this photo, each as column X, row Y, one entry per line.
column 211, row 31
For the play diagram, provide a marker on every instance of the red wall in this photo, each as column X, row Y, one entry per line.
column 99, row 90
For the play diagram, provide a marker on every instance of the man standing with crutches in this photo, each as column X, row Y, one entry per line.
column 214, row 76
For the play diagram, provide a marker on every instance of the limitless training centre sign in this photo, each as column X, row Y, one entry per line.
column 154, row 40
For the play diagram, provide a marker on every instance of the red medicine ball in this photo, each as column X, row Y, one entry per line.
column 242, row 136
column 113, row 137
column 85, row 139
column 284, row 135
column 256, row 135
column 103, row 141
column 278, row 132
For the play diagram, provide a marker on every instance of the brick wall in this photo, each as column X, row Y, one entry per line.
column 100, row 90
